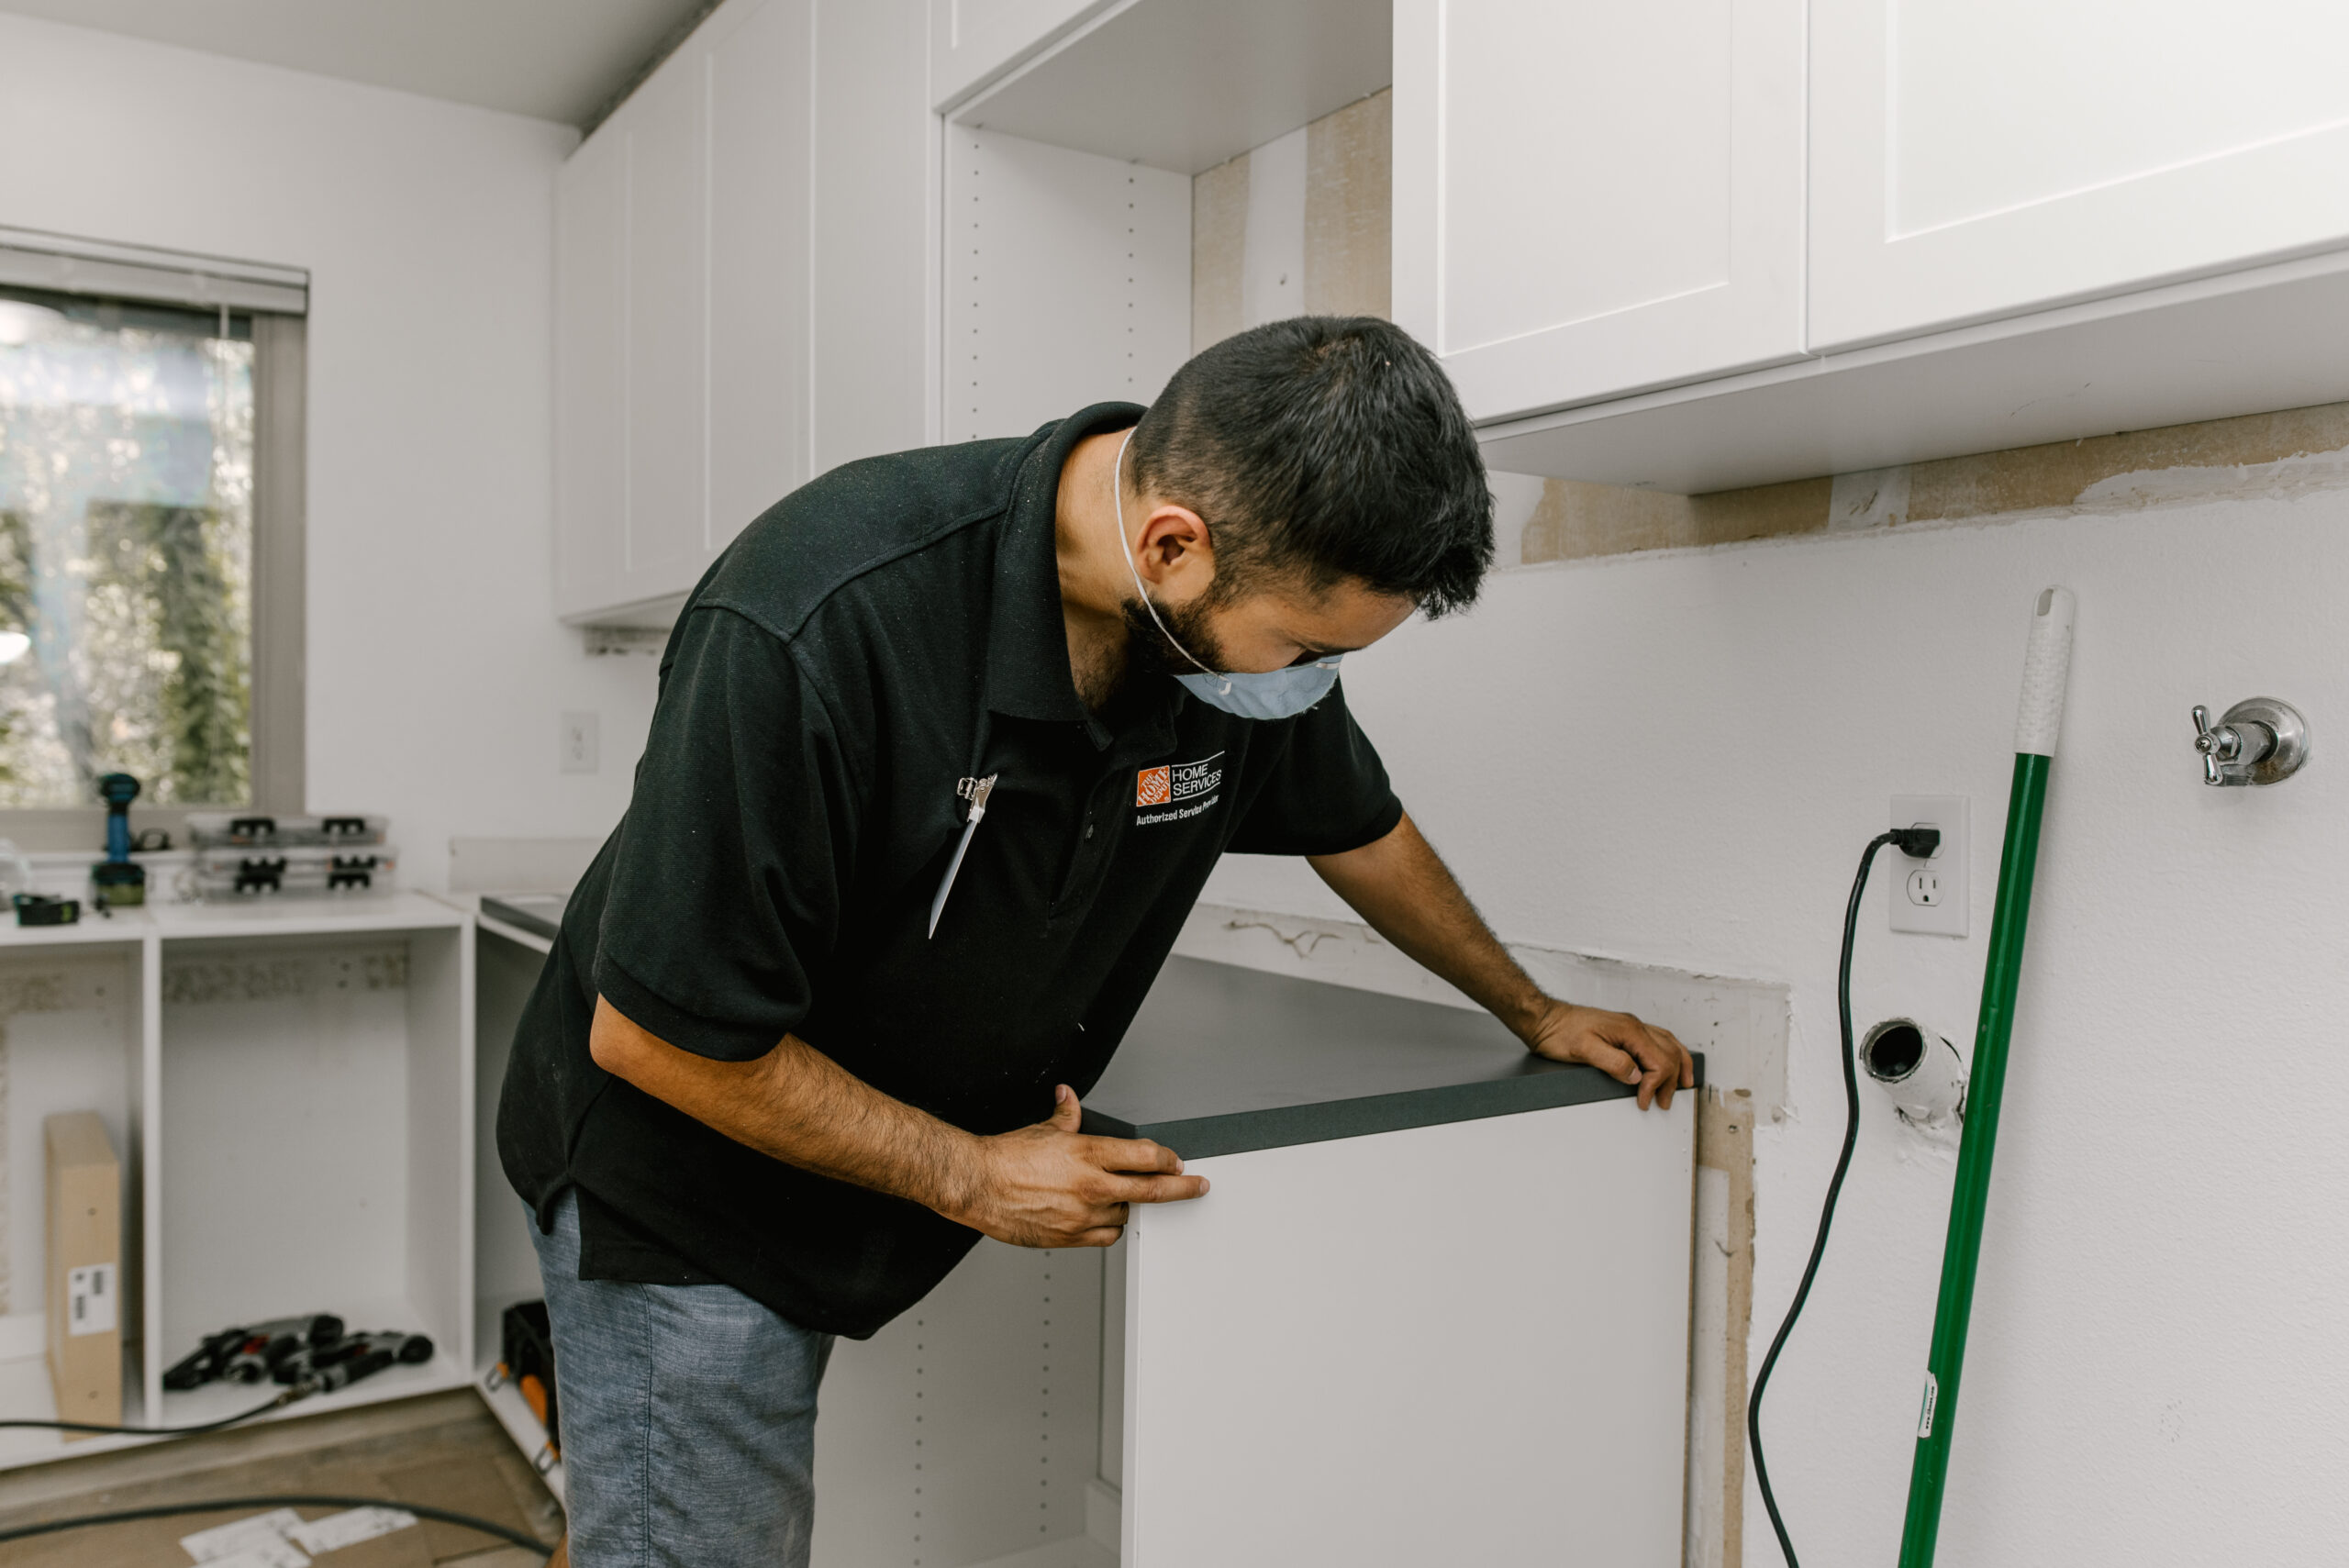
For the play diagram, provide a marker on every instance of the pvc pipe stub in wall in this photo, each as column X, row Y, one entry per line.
column 1920, row 1069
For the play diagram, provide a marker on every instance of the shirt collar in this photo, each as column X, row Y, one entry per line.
column 1028, row 669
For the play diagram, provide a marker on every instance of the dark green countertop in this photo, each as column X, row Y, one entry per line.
column 1222, row 1059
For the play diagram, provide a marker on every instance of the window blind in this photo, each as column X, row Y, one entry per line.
column 63, row 264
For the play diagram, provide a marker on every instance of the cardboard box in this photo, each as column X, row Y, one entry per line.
column 83, row 1198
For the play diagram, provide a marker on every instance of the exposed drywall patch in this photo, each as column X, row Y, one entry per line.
column 2260, row 448
column 1577, row 520
column 1516, row 498
column 2284, row 478
column 1348, row 209
column 1872, row 498
column 2299, row 452
column 1218, row 244
column 1272, row 264
column 1317, row 204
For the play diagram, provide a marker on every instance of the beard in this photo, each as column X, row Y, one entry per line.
column 1154, row 651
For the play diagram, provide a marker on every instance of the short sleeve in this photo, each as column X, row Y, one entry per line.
column 726, row 882
column 1328, row 792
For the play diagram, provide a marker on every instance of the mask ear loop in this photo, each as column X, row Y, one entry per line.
column 1118, row 494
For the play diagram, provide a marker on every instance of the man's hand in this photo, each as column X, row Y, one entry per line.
column 1617, row 1044
column 1046, row 1185
column 1051, row 1185
column 1399, row 885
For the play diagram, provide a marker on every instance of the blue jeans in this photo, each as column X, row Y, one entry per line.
column 688, row 1418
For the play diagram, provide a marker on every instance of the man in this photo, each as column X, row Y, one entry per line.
column 904, row 858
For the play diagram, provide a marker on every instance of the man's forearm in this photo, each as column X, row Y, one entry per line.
column 1402, row 887
column 798, row 1106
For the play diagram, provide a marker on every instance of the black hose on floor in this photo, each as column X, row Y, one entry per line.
column 263, row 1505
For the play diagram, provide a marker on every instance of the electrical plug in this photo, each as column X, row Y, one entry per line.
column 1917, row 843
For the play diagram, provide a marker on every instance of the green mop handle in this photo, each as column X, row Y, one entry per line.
column 2046, row 661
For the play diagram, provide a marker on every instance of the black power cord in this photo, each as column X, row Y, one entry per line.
column 291, row 1500
column 1917, row 843
column 277, row 1402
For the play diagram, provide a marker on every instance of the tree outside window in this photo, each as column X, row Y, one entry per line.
column 125, row 551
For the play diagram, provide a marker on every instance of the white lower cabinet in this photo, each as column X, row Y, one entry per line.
column 1591, row 200
column 1978, row 159
column 289, row 1089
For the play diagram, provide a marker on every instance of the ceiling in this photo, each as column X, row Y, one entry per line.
column 555, row 59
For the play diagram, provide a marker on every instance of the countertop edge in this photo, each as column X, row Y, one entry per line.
column 1243, row 1132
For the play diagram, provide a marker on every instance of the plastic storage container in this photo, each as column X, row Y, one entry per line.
column 263, row 872
column 261, row 829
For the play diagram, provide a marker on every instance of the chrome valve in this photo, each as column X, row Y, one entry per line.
column 2258, row 742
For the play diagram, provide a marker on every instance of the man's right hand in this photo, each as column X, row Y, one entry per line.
column 1051, row 1185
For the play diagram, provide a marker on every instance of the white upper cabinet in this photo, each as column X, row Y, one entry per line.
column 760, row 137
column 667, row 515
column 1977, row 159
column 683, row 310
column 1594, row 199
column 972, row 42
column 591, row 375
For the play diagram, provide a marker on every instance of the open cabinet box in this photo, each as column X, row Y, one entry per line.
column 287, row 1089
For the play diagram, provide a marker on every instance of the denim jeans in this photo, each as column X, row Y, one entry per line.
column 688, row 1418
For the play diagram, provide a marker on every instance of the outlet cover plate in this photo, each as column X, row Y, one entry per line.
column 1931, row 897
column 578, row 744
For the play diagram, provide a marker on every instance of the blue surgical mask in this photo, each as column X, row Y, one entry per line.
column 1272, row 694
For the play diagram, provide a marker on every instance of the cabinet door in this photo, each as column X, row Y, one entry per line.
column 590, row 377
column 760, row 102
column 1974, row 159
column 1592, row 199
column 668, row 324
column 971, row 41
column 877, row 217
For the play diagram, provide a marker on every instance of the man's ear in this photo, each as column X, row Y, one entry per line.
column 1175, row 547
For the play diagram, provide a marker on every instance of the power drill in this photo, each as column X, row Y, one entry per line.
column 327, row 1367
column 252, row 1354
column 118, row 881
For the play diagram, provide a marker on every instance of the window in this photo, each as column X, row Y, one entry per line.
column 150, row 544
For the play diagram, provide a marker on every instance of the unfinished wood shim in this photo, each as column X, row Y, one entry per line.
column 1716, row 1497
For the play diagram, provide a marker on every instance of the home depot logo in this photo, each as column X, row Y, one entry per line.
column 1171, row 784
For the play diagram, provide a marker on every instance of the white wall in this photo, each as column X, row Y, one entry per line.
column 1676, row 758
column 436, row 669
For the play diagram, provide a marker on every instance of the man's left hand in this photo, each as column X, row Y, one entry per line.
column 1619, row 1045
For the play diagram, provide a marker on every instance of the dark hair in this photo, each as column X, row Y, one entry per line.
column 1325, row 447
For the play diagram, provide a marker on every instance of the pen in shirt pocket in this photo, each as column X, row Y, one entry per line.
column 975, row 791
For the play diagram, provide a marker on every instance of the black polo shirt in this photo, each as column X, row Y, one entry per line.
column 873, row 638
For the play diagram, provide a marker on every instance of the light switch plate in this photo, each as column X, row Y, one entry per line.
column 1930, row 896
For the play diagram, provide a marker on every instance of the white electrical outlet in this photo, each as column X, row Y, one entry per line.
column 578, row 743
column 1930, row 895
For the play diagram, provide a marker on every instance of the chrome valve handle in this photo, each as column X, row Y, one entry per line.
column 2258, row 742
